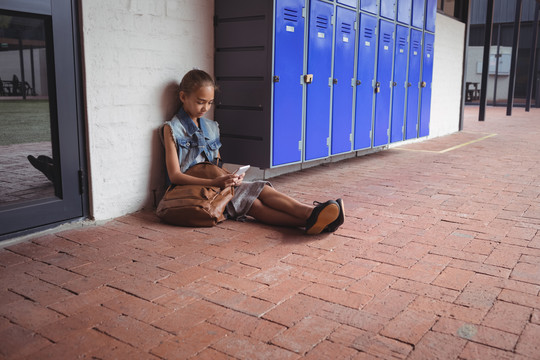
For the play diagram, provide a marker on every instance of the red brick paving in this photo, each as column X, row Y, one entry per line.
column 439, row 258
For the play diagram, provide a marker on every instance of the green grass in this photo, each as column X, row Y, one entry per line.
column 24, row 121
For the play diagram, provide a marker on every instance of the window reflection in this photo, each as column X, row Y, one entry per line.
column 26, row 156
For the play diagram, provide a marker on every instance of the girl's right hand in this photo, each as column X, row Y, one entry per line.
column 225, row 180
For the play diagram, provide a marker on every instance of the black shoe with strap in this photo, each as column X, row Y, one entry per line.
column 340, row 219
column 322, row 215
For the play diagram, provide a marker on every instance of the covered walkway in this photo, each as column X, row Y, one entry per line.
column 439, row 258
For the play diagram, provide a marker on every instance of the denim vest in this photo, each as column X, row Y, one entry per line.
column 192, row 141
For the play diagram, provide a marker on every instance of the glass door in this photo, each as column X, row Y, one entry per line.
column 41, row 166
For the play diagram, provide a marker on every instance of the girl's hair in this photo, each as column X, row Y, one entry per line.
column 194, row 80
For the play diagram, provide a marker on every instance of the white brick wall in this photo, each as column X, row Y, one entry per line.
column 132, row 50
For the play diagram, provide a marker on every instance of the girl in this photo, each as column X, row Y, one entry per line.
column 190, row 138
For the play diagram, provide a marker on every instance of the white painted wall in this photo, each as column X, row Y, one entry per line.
column 447, row 76
column 132, row 50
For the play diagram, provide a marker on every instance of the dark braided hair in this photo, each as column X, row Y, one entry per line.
column 194, row 80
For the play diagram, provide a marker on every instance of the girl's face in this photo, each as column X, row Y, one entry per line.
column 198, row 102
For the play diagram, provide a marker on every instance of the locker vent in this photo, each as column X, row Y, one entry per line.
column 346, row 28
column 290, row 14
column 416, row 44
column 429, row 48
column 402, row 42
column 387, row 38
column 368, row 33
column 322, row 22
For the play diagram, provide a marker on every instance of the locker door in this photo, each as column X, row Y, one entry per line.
column 431, row 14
column 370, row 5
column 404, row 8
column 288, row 69
column 383, row 85
column 367, row 42
column 318, row 90
column 425, row 85
column 418, row 13
column 348, row 2
column 388, row 9
column 413, row 84
column 400, row 83
column 342, row 97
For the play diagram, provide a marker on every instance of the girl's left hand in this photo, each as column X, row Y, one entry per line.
column 238, row 179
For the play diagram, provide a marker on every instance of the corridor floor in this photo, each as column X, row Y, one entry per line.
column 439, row 258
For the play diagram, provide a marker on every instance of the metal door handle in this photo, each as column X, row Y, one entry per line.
column 308, row 79
column 334, row 81
column 276, row 79
column 409, row 84
column 377, row 87
column 394, row 83
column 423, row 84
column 358, row 82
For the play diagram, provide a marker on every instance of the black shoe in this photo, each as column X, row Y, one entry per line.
column 340, row 220
column 323, row 214
column 45, row 167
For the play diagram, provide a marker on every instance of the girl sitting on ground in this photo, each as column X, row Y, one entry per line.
column 190, row 138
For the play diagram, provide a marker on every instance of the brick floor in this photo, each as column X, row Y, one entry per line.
column 439, row 258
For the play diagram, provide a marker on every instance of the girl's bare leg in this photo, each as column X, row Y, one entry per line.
column 271, row 216
column 285, row 204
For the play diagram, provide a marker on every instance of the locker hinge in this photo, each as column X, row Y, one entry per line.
column 330, row 81
column 332, row 20
column 355, row 25
column 328, row 141
column 371, row 134
column 304, row 12
column 353, row 82
column 388, row 132
column 350, row 137
column 80, row 175
column 300, row 145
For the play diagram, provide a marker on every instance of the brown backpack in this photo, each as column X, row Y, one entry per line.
column 196, row 205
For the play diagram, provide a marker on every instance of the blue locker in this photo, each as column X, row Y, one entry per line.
column 425, row 85
column 318, row 90
column 418, row 13
column 371, row 6
column 348, row 2
column 288, row 69
column 388, row 9
column 431, row 14
column 367, row 42
column 415, row 56
column 404, row 8
column 342, row 99
column 383, row 86
column 400, row 83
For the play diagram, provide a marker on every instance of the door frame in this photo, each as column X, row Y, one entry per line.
column 67, row 125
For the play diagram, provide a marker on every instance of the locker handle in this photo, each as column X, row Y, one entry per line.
column 308, row 79
column 334, row 81
column 409, row 84
column 423, row 84
column 394, row 83
column 276, row 79
column 358, row 82
column 377, row 87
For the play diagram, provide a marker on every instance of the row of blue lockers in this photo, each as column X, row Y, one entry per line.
column 303, row 80
column 417, row 13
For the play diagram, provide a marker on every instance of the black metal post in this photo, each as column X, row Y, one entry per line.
column 497, row 57
column 513, row 64
column 532, row 63
column 485, row 64
column 465, row 54
column 23, row 79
